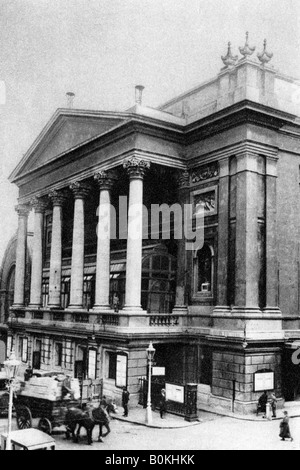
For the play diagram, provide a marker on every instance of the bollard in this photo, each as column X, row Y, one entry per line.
column 268, row 412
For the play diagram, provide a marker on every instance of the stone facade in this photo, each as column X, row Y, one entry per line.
column 217, row 313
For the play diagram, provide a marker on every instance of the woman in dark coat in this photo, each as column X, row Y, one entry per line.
column 162, row 403
column 285, row 432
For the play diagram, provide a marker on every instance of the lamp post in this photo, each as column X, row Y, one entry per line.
column 150, row 353
column 11, row 368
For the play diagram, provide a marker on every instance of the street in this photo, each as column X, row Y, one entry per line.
column 220, row 433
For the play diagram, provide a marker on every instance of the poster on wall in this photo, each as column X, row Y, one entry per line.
column 24, row 349
column 9, row 346
column 92, row 364
column 121, row 376
column 175, row 393
column 263, row 381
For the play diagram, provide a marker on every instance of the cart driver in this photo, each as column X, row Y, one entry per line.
column 67, row 392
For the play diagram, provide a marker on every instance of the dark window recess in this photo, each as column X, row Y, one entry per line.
column 204, row 269
column 112, row 366
column 58, row 354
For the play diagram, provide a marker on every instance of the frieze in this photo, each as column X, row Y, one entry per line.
column 205, row 172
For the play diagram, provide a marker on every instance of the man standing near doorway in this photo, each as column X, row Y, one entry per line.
column 125, row 401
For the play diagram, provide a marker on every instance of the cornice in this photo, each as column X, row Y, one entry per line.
column 240, row 113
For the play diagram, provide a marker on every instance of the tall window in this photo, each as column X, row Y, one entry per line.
column 88, row 292
column 65, row 292
column 58, row 354
column 45, row 292
column 204, row 270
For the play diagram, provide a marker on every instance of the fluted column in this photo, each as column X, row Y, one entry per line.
column 105, row 181
column 183, row 193
column 80, row 191
column 57, row 199
column 136, row 169
column 23, row 212
column 39, row 206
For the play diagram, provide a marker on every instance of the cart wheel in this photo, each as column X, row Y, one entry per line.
column 24, row 418
column 45, row 426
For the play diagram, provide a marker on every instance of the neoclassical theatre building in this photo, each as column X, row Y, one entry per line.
column 225, row 315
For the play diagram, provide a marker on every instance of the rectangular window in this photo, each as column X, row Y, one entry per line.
column 112, row 365
column 36, row 356
column 45, row 292
column 88, row 292
column 117, row 368
column 58, row 354
column 65, row 292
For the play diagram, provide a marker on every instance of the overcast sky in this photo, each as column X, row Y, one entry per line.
column 100, row 49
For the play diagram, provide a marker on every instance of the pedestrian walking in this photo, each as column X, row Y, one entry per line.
column 285, row 432
column 162, row 403
column 262, row 403
column 273, row 403
column 125, row 401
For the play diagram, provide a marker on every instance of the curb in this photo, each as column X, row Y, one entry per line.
column 153, row 426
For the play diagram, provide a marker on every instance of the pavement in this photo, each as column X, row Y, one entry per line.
column 138, row 416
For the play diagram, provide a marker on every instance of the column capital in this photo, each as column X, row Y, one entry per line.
column 105, row 179
column 136, row 167
column 183, row 179
column 57, row 197
column 22, row 210
column 80, row 189
column 38, row 204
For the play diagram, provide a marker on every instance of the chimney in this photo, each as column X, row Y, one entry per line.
column 139, row 94
column 70, row 98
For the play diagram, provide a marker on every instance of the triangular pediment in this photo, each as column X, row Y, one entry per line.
column 65, row 131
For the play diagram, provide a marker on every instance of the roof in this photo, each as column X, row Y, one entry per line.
column 31, row 439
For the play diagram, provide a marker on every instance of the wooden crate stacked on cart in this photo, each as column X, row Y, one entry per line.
column 47, row 388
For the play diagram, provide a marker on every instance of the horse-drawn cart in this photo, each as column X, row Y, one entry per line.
column 50, row 413
column 46, row 399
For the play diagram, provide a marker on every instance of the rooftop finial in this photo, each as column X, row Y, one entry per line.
column 229, row 60
column 247, row 50
column 265, row 56
column 70, row 98
column 139, row 94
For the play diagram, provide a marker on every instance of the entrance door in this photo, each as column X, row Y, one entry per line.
column 36, row 355
column 81, row 363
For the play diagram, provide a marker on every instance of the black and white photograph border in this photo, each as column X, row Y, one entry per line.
column 150, row 227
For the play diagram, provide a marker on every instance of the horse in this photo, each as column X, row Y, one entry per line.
column 88, row 419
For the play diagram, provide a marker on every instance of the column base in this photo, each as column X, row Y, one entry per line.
column 34, row 306
column 221, row 309
column 102, row 309
column 180, row 310
column 76, row 307
column 133, row 310
column 17, row 306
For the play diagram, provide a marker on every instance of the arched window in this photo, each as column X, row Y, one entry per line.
column 204, row 270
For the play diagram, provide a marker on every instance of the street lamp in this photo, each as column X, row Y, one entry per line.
column 11, row 368
column 150, row 353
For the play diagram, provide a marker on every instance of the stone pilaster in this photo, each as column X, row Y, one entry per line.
column 23, row 211
column 223, row 237
column 183, row 195
column 80, row 191
column 39, row 206
column 247, row 265
column 105, row 181
column 271, row 238
column 57, row 198
column 136, row 169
